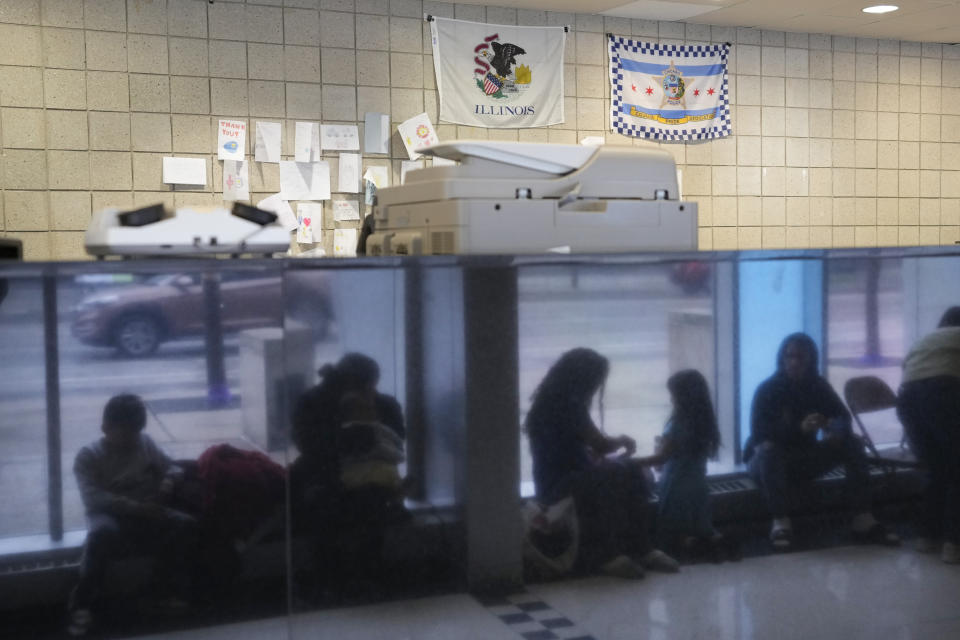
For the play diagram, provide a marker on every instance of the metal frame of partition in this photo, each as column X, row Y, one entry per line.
column 52, row 372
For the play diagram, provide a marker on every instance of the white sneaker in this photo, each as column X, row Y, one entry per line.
column 657, row 560
column 80, row 622
column 950, row 553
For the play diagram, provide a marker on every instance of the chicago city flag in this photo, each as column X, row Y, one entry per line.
column 669, row 92
column 492, row 75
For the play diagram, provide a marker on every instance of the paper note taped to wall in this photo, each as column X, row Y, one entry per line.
column 305, row 180
column 378, row 175
column 185, row 171
column 231, row 139
column 236, row 182
column 307, row 142
column 417, row 133
column 267, row 148
column 348, row 177
column 281, row 207
column 375, row 177
column 376, row 133
column 346, row 210
column 340, row 137
column 309, row 216
column 345, row 243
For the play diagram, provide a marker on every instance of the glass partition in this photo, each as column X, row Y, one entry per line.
column 151, row 333
column 776, row 297
column 24, row 469
column 867, row 323
column 346, row 432
column 348, row 448
column 648, row 320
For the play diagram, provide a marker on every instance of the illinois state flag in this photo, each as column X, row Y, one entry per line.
column 492, row 75
column 669, row 92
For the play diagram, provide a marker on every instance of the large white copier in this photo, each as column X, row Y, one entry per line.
column 509, row 197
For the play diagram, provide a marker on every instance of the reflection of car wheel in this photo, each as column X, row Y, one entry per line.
column 137, row 335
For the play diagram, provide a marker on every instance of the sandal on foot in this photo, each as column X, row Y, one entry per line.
column 781, row 539
column 80, row 621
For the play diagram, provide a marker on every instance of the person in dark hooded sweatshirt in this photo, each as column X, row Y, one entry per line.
column 801, row 430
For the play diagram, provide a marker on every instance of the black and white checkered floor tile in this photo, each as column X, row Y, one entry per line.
column 532, row 618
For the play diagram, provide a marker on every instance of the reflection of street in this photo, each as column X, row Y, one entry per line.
column 622, row 314
column 173, row 381
column 849, row 355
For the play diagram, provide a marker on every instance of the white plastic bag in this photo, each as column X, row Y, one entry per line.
column 551, row 538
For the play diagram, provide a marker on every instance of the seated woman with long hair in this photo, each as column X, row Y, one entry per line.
column 570, row 459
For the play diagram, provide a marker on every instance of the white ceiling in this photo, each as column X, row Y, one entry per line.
column 917, row 20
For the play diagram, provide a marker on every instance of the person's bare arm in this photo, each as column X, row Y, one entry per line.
column 603, row 445
column 663, row 452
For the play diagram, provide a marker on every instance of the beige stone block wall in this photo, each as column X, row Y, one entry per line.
column 837, row 141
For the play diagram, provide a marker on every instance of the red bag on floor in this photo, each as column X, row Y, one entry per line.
column 241, row 490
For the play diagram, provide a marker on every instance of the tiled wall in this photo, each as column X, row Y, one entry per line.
column 838, row 141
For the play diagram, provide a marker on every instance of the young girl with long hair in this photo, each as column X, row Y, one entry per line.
column 689, row 439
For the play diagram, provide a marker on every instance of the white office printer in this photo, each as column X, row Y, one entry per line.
column 509, row 197
column 152, row 231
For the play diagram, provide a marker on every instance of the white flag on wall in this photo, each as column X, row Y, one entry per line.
column 668, row 92
column 492, row 75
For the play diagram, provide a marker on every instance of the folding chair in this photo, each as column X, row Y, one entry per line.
column 867, row 394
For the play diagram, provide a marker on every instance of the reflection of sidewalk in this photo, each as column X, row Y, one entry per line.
column 591, row 281
column 194, row 403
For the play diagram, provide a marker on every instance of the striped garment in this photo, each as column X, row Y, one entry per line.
column 491, row 84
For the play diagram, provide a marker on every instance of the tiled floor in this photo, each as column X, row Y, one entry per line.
column 845, row 592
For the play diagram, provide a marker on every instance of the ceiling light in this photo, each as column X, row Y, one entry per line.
column 881, row 8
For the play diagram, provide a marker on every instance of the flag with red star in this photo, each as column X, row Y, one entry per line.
column 669, row 92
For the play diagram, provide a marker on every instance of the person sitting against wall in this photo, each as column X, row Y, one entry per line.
column 572, row 457
column 345, row 486
column 801, row 430
column 929, row 408
column 125, row 482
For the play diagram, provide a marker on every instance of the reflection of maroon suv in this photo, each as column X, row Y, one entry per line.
column 137, row 318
